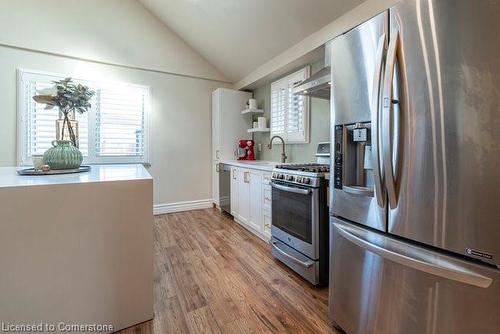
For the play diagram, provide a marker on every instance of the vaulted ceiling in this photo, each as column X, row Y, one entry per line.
column 237, row 36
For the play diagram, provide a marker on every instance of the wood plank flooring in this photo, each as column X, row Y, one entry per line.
column 213, row 276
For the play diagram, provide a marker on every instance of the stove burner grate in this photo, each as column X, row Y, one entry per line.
column 312, row 168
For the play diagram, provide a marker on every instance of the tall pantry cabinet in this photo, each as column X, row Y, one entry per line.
column 228, row 126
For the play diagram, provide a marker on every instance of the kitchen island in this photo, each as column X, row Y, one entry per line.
column 77, row 249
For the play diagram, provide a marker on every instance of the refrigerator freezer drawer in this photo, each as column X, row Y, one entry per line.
column 382, row 285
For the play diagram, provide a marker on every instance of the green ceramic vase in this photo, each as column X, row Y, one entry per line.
column 63, row 155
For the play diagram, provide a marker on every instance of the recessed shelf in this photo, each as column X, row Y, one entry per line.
column 259, row 130
column 252, row 112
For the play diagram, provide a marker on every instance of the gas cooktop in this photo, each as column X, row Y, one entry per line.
column 309, row 168
column 303, row 174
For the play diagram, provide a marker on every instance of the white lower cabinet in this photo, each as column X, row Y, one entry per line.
column 266, row 218
column 251, row 200
column 243, row 196
column 234, row 192
column 215, row 182
column 255, row 217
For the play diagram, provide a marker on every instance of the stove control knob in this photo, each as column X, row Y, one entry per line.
column 306, row 180
column 274, row 175
column 281, row 176
column 290, row 178
column 299, row 179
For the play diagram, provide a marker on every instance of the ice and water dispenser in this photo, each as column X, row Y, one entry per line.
column 353, row 159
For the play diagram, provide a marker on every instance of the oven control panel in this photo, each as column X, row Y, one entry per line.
column 292, row 178
column 337, row 173
column 297, row 179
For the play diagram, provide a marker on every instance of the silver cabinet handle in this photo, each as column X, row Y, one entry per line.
column 414, row 258
column 234, row 174
column 217, row 154
column 306, row 264
column 217, row 168
column 387, row 117
column 375, row 133
column 291, row 189
column 246, row 177
column 362, row 191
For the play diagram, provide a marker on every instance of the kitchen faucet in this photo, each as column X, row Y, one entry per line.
column 270, row 146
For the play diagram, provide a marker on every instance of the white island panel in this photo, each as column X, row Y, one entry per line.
column 77, row 248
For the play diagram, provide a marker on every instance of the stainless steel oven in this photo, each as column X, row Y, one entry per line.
column 299, row 231
column 295, row 213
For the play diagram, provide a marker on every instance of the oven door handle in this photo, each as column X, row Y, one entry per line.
column 291, row 189
column 306, row 264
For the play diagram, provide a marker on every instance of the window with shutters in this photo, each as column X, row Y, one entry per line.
column 114, row 130
column 290, row 113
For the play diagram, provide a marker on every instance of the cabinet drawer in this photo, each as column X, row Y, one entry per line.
column 266, row 178
column 267, row 197
column 267, row 221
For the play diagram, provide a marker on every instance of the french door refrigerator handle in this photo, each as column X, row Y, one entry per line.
column 362, row 191
column 377, row 174
column 446, row 269
column 387, row 102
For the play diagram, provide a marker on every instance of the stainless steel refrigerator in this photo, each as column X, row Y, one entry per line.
column 415, row 193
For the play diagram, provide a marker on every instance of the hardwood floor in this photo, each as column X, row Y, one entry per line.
column 213, row 276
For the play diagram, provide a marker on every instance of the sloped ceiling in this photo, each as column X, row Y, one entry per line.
column 237, row 36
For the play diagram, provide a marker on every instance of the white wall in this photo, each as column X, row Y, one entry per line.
column 300, row 54
column 110, row 30
column 181, row 119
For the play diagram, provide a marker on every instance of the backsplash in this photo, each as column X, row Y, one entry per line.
column 319, row 127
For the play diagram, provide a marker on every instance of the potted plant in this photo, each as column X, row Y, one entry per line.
column 70, row 98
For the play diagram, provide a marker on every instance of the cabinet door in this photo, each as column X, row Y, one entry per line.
column 216, row 114
column 266, row 220
column 255, row 219
column 215, row 182
column 243, row 195
column 234, row 192
column 267, row 199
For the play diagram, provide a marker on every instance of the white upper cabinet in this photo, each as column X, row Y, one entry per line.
column 228, row 124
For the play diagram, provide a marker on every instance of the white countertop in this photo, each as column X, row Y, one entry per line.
column 266, row 166
column 98, row 173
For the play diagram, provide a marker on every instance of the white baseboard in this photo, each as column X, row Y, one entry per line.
column 252, row 230
column 159, row 209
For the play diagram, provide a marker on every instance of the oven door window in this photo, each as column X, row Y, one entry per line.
column 292, row 212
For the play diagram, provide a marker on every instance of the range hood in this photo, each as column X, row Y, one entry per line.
column 317, row 85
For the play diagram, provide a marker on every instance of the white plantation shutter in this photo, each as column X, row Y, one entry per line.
column 290, row 113
column 278, row 107
column 114, row 130
column 120, row 121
